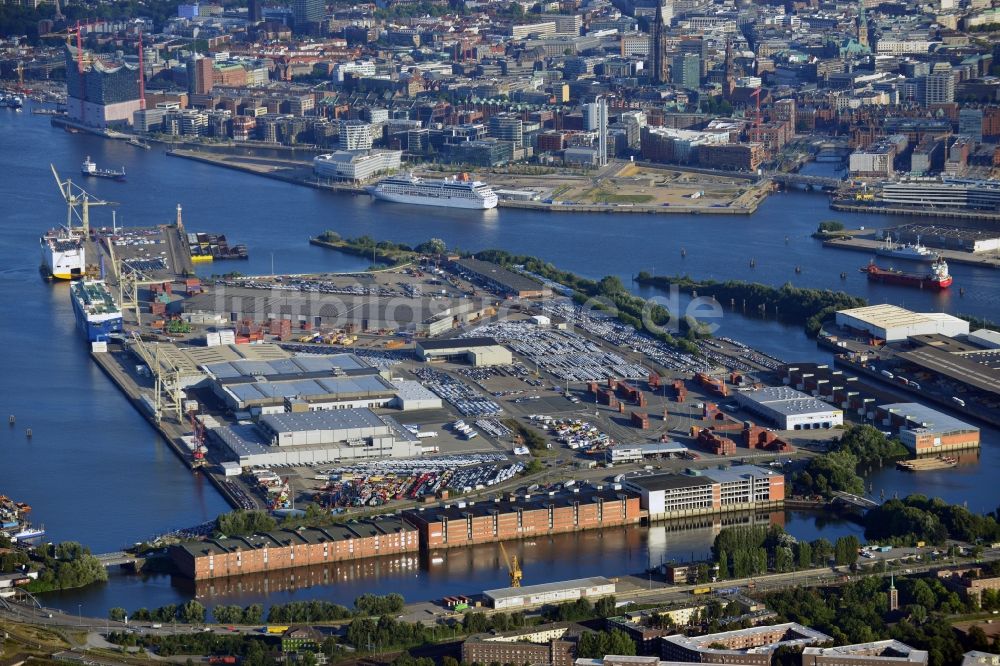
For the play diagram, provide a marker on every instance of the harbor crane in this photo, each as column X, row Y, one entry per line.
column 513, row 566
column 78, row 203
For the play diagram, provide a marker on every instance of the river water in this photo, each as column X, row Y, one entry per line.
column 94, row 471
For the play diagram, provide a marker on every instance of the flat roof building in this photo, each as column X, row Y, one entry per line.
column 925, row 430
column 505, row 281
column 788, row 409
column 736, row 488
column 893, row 323
column 475, row 351
column 876, row 653
column 285, row 549
column 545, row 645
column 548, row 593
column 311, row 438
column 519, row 517
column 742, row 646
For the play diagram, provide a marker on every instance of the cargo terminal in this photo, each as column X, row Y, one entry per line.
column 924, row 430
column 788, row 409
column 482, row 351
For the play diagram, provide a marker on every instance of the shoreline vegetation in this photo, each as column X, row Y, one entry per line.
column 788, row 303
column 607, row 294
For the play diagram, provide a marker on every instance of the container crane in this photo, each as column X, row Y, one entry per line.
column 77, row 197
column 513, row 566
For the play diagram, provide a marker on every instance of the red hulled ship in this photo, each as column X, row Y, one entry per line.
column 937, row 278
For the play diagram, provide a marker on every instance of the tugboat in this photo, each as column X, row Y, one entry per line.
column 937, row 278
column 90, row 169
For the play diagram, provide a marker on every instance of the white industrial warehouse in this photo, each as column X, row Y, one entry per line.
column 788, row 409
column 894, row 324
column 310, row 438
column 549, row 593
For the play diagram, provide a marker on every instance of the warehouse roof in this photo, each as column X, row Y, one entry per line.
column 785, row 400
column 528, row 590
column 655, row 482
column 508, row 279
column 311, row 364
column 331, row 419
column 458, row 343
column 893, row 316
column 922, row 417
column 306, row 535
column 505, row 505
column 738, row 472
column 956, row 367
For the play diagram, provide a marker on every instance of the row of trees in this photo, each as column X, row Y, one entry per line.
column 191, row 612
column 744, row 552
column 809, row 307
column 854, row 613
column 65, row 566
column 919, row 518
column 838, row 470
column 598, row 644
column 609, row 294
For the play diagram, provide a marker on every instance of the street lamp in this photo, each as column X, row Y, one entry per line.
column 79, row 614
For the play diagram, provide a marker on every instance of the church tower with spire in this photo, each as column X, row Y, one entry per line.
column 658, row 45
column 862, row 25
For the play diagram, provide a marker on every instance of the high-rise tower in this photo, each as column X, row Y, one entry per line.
column 862, row 25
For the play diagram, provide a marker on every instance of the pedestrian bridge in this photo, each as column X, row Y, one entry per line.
column 855, row 500
column 117, row 558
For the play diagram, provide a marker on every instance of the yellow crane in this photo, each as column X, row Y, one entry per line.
column 513, row 566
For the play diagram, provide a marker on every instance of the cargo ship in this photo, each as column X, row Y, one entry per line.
column 63, row 255
column 915, row 252
column 937, row 278
column 97, row 315
column 90, row 169
column 458, row 192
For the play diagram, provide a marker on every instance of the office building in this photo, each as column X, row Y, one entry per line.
column 507, row 127
column 201, row 77
column 356, row 166
column 685, row 71
column 355, row 135
column 736, row 488
column 307, row 15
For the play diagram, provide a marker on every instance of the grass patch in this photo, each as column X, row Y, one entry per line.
column 611, row 198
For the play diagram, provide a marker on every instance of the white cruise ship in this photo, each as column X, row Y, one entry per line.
column 457, row 192
column 63, row 255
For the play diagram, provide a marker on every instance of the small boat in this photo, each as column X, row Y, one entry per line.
column 88, row 168
column 27, row 532
column 135, row 141
column 915, row 252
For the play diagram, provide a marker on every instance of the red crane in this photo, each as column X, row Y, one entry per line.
column 199, row 450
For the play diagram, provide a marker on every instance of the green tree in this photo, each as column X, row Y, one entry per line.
column 117, row 614
column 191, row 612
column 605, row 607
column 253, row 614
column 846, row 550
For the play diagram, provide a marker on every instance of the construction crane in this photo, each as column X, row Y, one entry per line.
column 513, row 566
column 77, row 197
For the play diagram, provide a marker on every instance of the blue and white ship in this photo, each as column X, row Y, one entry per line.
column 97, row 314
